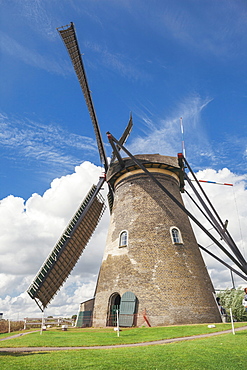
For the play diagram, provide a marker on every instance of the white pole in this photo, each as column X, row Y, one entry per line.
column 42, row 323
column 9, row 325
column 233, row 331
column 117, row 323
column 182, row 132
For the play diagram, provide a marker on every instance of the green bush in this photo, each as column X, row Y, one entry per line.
column 232, row 298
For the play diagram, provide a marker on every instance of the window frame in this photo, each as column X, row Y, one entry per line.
column 121, row 239
column 178, row 236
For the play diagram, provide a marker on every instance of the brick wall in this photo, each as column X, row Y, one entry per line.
column 170, row 281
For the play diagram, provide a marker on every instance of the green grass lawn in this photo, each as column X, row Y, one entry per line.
column 224, row 352
column 98, row 337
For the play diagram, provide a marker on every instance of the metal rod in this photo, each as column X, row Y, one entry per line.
column 197, row 205
column 181, row 206
column 223, row 232
column 223, row 263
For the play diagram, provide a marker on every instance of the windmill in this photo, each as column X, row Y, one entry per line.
column 152, row 270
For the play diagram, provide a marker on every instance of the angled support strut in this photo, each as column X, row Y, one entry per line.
column 113, row 140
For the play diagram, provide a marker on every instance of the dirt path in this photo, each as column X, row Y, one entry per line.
column 18, row 335
column 164, row 341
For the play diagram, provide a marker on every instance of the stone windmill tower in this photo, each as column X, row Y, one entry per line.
column 152, row 270
column 152, row 261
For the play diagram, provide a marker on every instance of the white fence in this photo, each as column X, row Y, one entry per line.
column 45, row 321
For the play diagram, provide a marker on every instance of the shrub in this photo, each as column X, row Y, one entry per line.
column 232, row 298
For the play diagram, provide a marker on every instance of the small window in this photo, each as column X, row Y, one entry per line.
column 123, row 239
column 176, row 235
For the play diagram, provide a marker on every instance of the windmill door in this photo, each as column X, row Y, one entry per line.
column 127, row 309
column 114, row 303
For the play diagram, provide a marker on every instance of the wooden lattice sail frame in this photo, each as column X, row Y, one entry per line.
column 65, row 254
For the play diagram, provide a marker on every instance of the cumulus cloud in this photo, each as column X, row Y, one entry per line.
column 30, row 230
column 229, row 202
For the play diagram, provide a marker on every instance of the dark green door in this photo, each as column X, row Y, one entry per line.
column 127, row 309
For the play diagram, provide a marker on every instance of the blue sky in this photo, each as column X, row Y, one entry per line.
column 159, row 60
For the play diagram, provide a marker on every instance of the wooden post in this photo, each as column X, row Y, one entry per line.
column 117, row 323
column 233, row 330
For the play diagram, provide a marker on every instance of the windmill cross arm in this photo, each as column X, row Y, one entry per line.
column 69, row 38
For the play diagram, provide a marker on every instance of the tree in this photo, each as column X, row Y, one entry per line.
column 233, row 298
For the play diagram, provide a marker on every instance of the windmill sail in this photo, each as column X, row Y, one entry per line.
column 123, row 138
column 70, row 40
column 68, row 249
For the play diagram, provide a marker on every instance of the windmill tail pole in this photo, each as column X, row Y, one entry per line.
column 218, row 225
column 113, row 140
column 200, row 209
column 223, row 263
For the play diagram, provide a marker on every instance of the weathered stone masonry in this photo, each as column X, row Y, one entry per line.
column 170, row 280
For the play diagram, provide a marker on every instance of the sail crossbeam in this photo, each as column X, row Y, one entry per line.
column 68, row 249
column 70, row 40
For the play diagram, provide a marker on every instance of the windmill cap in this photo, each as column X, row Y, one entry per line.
column 150, row 161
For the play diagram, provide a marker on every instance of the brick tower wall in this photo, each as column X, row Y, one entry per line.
column 170, row 280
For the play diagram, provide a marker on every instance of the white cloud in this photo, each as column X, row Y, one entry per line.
column 230, row 203
column 33, row 58
column 38, row 16
column 30, row 229
column 29, row 232
column 163, row 135
column 215, row 27
column 49, row 144
column 118, row 62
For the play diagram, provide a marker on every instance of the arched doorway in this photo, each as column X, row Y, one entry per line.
column 113, row 306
